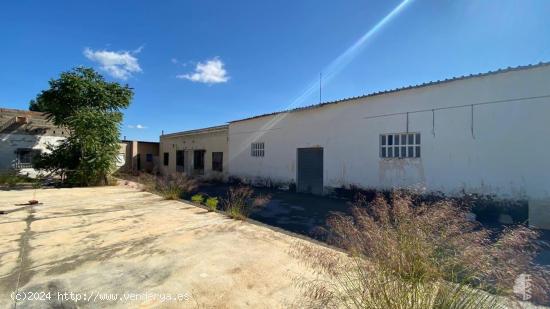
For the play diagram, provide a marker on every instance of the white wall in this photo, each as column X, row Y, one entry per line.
column 507, row 156
column 9, row 143
column 209, row 141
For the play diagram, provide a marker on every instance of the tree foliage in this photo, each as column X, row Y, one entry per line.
column 81, row 101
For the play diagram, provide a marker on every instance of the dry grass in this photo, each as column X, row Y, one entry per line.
column 241, row 201
column 237, row 205
column 176, row 186
column 171, row 187
column 419, row 256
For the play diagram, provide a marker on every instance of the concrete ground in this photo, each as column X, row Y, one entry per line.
column 118, row 242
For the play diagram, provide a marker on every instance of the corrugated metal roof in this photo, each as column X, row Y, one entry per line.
column 426, row 84
column 197, row 131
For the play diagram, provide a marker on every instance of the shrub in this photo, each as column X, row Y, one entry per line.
column 148, row 181
column 238, row 203
column 421, row 256
column 11, row 178
column 354, row 282
column 197, row 198
column 212, row 203
column 174, row 187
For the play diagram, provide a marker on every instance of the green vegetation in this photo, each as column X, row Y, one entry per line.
column 174, row 187
column 89, row 108
column 198, row 198
column 404, row 255
column 11, row 179
column 212, row 203
column 237, row 204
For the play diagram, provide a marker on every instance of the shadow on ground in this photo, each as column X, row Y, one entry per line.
column 307, row 214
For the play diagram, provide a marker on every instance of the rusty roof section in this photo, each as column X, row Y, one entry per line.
column 377, row 93
column 37, row 118
column 21, row 111
column 198, row 131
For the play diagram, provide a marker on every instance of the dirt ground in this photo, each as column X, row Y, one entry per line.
column 107, row 243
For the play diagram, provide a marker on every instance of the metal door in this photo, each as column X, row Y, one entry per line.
column 310, row 170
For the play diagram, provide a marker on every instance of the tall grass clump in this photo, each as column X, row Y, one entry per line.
column 241, row 201
column 430, row 255
column 173, row 187
column 11, row 178
column 212, row 203
column 238, row 204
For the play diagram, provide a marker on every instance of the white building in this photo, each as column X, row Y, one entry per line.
column 23, row 135
column 486, row 133
column 202, row 152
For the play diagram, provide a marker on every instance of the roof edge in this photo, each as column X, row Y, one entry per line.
column 394, row 90
column 23, row 111
column 198, row 131
column 138, row 141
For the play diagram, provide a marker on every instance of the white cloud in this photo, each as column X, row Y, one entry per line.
column 138, row 50
column 121, row 64
column 209, row 72
column 137, row 126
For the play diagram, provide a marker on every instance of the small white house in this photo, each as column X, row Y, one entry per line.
column 486, row 133
column 23, row 135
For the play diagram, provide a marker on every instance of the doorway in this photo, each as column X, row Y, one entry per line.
column 180, row 161
column 138, row 159
column 198, row 162
column 310, row 170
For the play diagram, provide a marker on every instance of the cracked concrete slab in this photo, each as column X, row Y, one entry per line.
column 121, row 241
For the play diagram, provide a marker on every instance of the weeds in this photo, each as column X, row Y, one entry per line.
column 11, row 179
column 420, row 256
column 212, row 203
column 240, row 202
column 174, row 187
column 148, row 181
column 197, row 198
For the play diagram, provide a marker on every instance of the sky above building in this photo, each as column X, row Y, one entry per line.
column 195, row 64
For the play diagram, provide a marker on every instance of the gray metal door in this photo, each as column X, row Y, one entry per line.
column 310, row 170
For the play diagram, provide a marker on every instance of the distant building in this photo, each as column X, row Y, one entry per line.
column 23, row 135
column 201, row 152
column 139, row 156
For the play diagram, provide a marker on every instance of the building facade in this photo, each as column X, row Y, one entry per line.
column 481, row 134
column 138, row 156
column 23, row 135
column 201, row 153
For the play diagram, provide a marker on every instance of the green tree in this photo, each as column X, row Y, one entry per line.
column 81, row 101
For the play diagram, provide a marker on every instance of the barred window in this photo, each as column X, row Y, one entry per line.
column 400, row 145
column 257, row 149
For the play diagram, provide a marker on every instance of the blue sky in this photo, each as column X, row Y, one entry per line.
column 194, row 64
